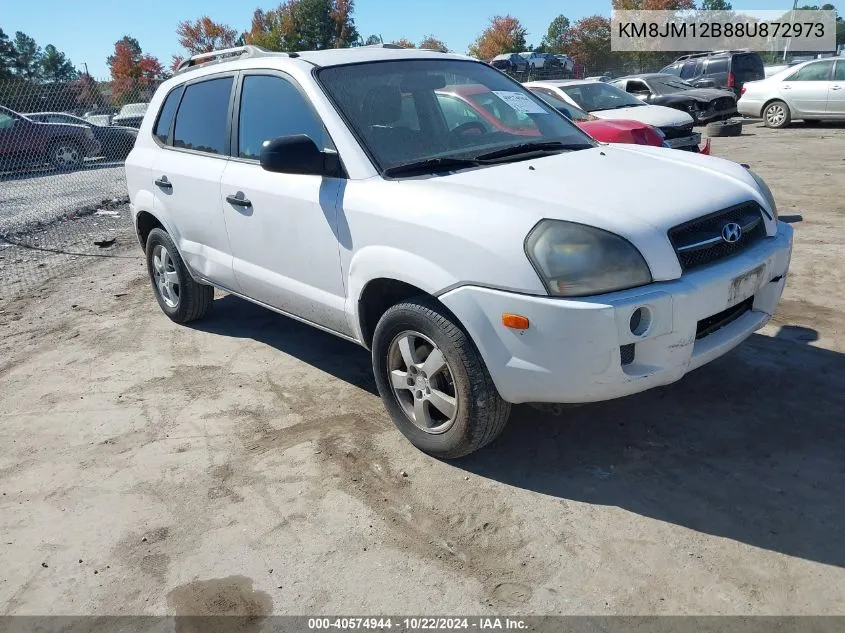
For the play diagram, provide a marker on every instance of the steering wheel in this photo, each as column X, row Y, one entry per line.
column 466, row 127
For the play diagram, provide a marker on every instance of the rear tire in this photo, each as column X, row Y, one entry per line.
column 434, row 382
column 776, row 115
column 180, row 297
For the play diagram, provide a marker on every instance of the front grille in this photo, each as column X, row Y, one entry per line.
column 699, row 242
column 677, row 131
column 723, row 318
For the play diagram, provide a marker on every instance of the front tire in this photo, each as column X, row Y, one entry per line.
column 180, row 297
column 777, row 115
column 434, row 382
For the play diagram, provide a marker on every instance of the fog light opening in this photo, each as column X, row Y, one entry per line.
column 640, row 321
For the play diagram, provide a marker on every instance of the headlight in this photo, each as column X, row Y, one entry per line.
column 767, row 193
column 575, row 260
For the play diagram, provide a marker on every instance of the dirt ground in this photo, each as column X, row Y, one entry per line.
column 245, row 464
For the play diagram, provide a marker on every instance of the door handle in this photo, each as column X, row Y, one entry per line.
column 787, row 87
column 836, row 87
column 238, row 200
column 164, row 183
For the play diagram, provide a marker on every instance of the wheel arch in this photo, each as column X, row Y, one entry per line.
column 378, row 274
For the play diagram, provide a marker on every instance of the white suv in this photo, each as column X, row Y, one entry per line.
column 483, row 259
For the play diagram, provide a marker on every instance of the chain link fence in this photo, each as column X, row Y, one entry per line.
column 62, row 182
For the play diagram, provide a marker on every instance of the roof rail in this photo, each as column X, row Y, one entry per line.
column 383, row 45
column 713, row 53
column 227, row 54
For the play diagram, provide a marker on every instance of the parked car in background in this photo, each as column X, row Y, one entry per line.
column 606, row 130
column 704, row 105
column 566, row 62
column 24, row 142
column 720, row 69
column 609, row 102
column 513, row 62
column 99, row 110
column 540, row 60
column 98, row 119
column 605, row 77
column 130, row 115
column 812, row 91
column 480, row 268
column 475, row 106
column 115, row 142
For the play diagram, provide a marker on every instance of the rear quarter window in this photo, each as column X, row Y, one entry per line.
column 165, row 116
column 748, row 64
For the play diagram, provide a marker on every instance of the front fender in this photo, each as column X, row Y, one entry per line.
column 385, row 262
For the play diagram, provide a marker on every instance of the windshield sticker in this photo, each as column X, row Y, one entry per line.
column 520, row 102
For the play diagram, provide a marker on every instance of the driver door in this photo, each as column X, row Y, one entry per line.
column 282, row 227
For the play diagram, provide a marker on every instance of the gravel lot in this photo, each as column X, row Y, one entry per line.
column 245, row 464
column 39, row 196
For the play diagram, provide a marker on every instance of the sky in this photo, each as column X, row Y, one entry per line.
column 87, row 29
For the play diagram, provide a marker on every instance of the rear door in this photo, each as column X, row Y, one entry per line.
column 836, row 93
column 186, row 175
column 806, row 89
column 284, row 228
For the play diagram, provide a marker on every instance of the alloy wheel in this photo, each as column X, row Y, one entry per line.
column 166, row 276
column 422, row 382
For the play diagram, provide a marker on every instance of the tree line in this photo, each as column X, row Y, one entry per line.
column 296, row 25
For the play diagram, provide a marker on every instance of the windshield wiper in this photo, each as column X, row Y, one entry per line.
column 430, row 165
column 627, row 105
column 531, row 148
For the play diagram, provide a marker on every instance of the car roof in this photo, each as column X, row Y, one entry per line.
column 650, row 76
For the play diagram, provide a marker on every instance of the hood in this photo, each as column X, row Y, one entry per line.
column 701, row 94
column 658, row 116
column 638, row 192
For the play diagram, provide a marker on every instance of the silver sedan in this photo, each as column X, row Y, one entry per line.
column 812, row 91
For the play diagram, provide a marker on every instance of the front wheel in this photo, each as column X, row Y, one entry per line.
column 777, row 115
column 434, row 382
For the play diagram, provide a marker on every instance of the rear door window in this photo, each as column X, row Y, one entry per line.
column 692, row 68
column 819, row 71
column 202, row 120
column 839, row 73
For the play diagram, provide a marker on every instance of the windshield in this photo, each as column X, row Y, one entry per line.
column 597, row 95
column 398, row 111
column 670, row 84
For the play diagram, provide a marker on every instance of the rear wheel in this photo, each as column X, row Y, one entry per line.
column 777, row 115
column 65, row 155
column 179, row 296
column 433, row 380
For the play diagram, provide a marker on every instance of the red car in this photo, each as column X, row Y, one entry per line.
column 486, row 106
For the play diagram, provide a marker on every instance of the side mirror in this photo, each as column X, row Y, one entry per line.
column 297, row 155
column 565, row 112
